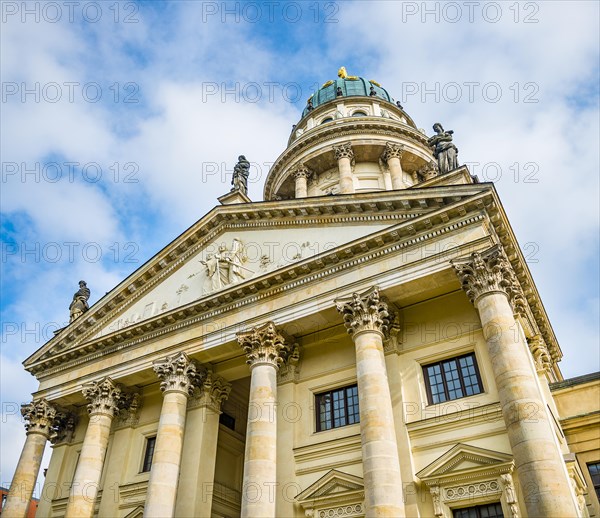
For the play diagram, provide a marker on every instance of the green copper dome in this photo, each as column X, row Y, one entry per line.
column 346, row 86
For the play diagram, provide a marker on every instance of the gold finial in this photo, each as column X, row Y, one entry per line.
column 342, row 74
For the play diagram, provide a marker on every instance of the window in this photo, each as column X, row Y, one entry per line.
column 148, row 454
column 594, row 469
column 480, row 511
column 326, row 119
column 227, row 420
column 452, row 379
column 359, row 114
column 337, row 408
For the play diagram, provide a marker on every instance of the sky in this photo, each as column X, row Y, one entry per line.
column 122, row 121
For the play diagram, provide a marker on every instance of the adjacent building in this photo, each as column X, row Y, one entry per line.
column 365, row 341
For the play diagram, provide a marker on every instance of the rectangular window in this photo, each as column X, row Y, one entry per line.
column 148, row 454
column 452, row 379
column 227, row 420
column 594, row 469
column 337, row 408
column 479, row 511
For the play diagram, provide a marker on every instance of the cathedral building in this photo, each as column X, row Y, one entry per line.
column 366, row 341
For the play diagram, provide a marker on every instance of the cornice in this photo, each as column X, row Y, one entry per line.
column 390, row 240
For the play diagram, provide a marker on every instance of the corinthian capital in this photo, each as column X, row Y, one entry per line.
column 213, row 391
column 104, row 396
column 39, row 416
column 177, row 372
column 392, row 151
column 490, row 272
column 343, row 151
column 301, row 171
column 264, row 344
column 541, row 356
column 364, row 312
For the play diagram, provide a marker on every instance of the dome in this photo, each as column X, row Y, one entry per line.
column 346, row 86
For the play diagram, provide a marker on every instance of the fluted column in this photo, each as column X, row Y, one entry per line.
column 392, row 155
column 40, row 416
column 301, row 175
column 179, row 374
column 345, row 156
column 265, row 349
column 492, row 286
column 105, row 400
column 196, row 483
column 366, row 318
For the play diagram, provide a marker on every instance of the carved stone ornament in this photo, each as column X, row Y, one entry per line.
column 428, row 171
column 392, row 151
column 437, row 505
column 178, row 373
column 63, row 429
column 104, row 396
column 212, row 392
column 290, row 370
column 264, row 344
column 541, row 356
column 39, row 416
column 510, row 494
column 366, row 311
column 301, row 171
column 490, row 272
column 343, row 151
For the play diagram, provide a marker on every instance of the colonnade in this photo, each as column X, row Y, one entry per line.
column 491, row 285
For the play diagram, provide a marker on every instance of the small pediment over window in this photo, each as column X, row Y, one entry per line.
column 333, row 490
column 464, row 459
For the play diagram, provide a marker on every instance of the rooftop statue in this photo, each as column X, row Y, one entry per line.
column 444, row 150
column 342, row 74
column 79, row 304
column 241, row 171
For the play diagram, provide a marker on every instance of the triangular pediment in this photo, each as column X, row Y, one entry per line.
column 334, row 485
column 281, row 241
column 463, row 459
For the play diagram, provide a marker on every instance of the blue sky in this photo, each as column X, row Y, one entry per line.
column 136, row 113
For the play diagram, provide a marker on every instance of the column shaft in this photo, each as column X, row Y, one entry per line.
column 89, row 467
column 381, row 466
column 396, row 173
column 538, row 461
column 260, row 460
column 164, row 474
column 346, row 179
column 301, row 186
column 24, row 479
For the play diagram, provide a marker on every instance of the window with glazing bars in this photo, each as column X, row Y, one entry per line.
column 337, row 408
column 594, row 469
column 148, row 454
column 453, row 378
column 480, row 511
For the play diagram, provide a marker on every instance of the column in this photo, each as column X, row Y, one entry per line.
column 266, row 350
column 345, row 157
column 105, row 398
column 392, row 155
column 301, row 175
column 367, row 319
column 196, row 483
column 493, row 288
column 40, row 416
column 179, row 375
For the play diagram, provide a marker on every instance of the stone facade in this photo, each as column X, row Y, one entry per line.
column 379, row 352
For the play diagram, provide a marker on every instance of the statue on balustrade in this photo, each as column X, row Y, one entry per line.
column 444, row 150
column 79, row 305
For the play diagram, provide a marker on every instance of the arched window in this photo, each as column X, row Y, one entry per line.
column 326, row 119
column 359, row 114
